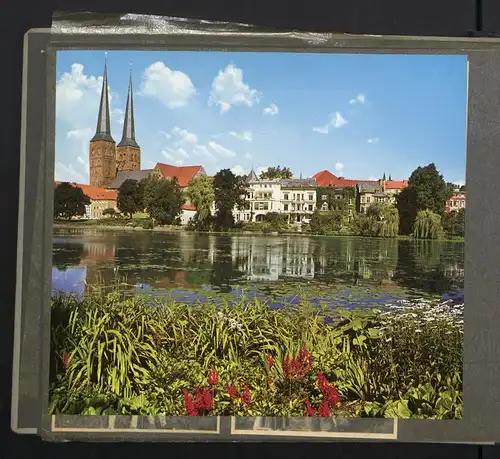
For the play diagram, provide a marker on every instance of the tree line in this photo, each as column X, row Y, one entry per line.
column 419, row 209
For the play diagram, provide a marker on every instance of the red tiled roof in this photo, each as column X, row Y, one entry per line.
column 188, row 207
column 95, row 193
column 184, row 174
column 396, row 184
column 326, row 178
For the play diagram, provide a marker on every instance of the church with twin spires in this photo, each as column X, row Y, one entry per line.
column 106, row 158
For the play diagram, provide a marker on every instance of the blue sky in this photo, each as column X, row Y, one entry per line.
column 355, row 115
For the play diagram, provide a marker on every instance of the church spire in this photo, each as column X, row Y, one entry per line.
column 128, row 136
column 103, row 130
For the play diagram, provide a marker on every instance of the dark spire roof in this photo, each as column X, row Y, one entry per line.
column 252, row 177
column 103, row 130
column 128, row 136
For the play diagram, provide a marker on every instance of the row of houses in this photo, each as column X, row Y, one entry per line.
column 297, row 198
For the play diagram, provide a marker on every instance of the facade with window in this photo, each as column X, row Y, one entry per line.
column 456, row 202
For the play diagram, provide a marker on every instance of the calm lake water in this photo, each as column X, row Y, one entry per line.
column 344, row 271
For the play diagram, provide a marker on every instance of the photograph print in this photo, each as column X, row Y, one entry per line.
column 258, row 235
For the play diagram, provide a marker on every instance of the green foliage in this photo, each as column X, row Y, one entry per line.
column 110, row 211
column 427, row 225
column 327, row 223
column 426, row 190
column 454, row 223
column 380, row 220
column 201, row 194
column 136, row 354
column 69, row 201
column 229, row 192
column 166, row 203
column 129, row 199
column 273, row 173
column 147, row 190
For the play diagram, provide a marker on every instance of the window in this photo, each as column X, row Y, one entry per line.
column 324, row 206
column 368, row 199
column 324, row 197
column 285, row 207
column 310, row 208
column 311, row 197
column 362, row 199
column 286, row 196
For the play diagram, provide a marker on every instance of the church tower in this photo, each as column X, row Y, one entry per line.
column 128, row 152
column 102, row 160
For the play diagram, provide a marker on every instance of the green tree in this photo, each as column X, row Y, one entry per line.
column 276, row 221
column 147, row 190
column 427, row 225
column 165, row 205
column 426, row 190
column 200, row 193
column 454, row 223
column 278, row 172
column 109, row 211
column 69, row 201
column 384, row 219
column 229, row 192
column 129, row 199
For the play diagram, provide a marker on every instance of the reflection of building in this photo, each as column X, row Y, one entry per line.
column 291, row 257
column 456, row 202
column 98, row 252
column 294, row 197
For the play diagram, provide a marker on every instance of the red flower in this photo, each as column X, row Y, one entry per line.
column 269, row 360
column 245, row 397
column 189, row 404
column 204, row 400
column 324, row 409
column 297, row 367
column 329, row 392
column 213, row 377
column 232, row 391
column 66, row 361
column 269, row 381
column 309, row 410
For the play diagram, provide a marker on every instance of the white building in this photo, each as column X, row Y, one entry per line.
column 293, row 197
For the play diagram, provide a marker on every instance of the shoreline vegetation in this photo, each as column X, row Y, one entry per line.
column 137, row 224
column 222, row 204
column 119, row 352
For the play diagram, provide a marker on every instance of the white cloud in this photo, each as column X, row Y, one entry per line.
column 339, row 166
column 229, row 90
column 336, row 121
column 184, row 137
column 220, row 150
column 248, row 155
column 165, row 134
column 459, row 183
column 172, row 88
column 322, row 129
column 67, row 173
column 373, row 140
column 271, row 110
column 238, row 170
column 359, row 99
column 245, row 135
column 82, row 138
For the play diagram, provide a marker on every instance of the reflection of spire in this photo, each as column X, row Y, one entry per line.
column 128, row 136
column 103, row 130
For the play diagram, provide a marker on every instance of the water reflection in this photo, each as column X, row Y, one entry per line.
column 187, row 260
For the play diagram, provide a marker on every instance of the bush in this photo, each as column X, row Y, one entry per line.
column 120, row 353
